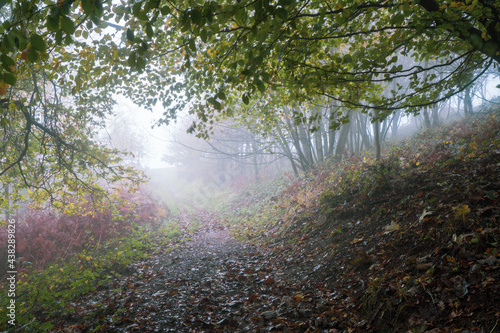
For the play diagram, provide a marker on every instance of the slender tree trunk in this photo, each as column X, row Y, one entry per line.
column 254, row 158
column 468, row 103
column 365, row 136
column 427, row 120
column 6, row 192
column 459, row 103
column 435, row 115
column 324, row 135
column 288, row 153
column 331, row 132
column 319, row 143
column 305, row 141
column 376, row 135
column 395, row 123
column 295, row 139
column 343, row 136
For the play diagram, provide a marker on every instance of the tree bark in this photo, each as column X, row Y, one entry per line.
column 342, row 141
column 376, row 136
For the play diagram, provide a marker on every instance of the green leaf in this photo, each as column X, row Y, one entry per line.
column 32, row 55
column 59, row 37
column 136, row 8
column 221, row 95
column 7, row 44
column 245, row 99
column 52, row 23
column 185, row 22
column 215, row 103
column 149, row 30
column 142, row 16
column 165, row 10
column 192, row 45
column 203, row 35
column 88, row 6
column 9, row 78
column 196, row 16
column 131, row 60
column 260, row 85
column 38, row 43
column 141, row 63
column 281, row 13
column 67, row 25
column 130, row 34
column 7, row 62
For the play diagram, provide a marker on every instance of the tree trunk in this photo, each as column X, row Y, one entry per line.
column 286, row 150
column 319, row 144
column 427, row 120
column 331, row 133
column 365, row 136
column 295, row 139
column 435, row 115
column 343, row 136
column 305, row 141
column 468, row 103
column 376, row 135
column 395, row 123
column 254, row 158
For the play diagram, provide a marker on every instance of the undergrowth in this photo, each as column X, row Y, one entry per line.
column 44, row 294
column 61, row 258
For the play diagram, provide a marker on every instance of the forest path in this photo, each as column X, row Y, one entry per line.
column 211, row 283
column 200, row 286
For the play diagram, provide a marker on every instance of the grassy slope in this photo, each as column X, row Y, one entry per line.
column 407, row 244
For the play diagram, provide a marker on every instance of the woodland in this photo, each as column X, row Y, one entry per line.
column 334, row 166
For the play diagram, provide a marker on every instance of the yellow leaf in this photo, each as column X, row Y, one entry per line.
column 391, row 227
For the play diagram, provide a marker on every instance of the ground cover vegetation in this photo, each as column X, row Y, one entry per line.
column 61, row 256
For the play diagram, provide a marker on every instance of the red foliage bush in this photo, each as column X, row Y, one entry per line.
column 44, row 236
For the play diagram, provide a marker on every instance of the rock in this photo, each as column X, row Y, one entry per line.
column 424, row 266
column 268, row 315
column 305, row 313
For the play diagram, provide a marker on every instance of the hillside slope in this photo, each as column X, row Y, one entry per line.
column 408, row 244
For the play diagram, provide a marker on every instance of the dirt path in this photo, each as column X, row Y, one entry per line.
column 212, row 283
column 200, row 286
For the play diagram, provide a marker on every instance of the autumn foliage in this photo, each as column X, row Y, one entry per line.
column 44, row 236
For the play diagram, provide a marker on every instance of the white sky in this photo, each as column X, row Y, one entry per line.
column 143, row 120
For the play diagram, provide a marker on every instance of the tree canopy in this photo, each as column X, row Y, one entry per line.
column 62, row 61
